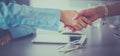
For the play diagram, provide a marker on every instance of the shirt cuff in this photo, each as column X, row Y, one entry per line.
column 20, row 31
column 61, row 27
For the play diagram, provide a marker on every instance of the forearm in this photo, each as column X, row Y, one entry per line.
column 44, row 18
column 113, row 9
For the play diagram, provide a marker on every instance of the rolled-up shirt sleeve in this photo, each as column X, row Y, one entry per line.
column 21, row 20
column 44, row 18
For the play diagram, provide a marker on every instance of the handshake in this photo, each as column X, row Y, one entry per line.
column 73, row 22
column 76, row 21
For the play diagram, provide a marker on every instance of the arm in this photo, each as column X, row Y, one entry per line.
column 113, row 9
column 92, row 14
column 45, row 17
column 15, row 14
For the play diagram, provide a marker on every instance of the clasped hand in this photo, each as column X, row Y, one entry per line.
column 69, row 18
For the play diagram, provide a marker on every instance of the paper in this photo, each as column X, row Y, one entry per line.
column 48, row 36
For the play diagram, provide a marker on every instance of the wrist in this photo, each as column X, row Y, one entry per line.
column 101, row 11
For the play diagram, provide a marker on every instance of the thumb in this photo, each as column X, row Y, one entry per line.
column 81, row 13
column 76, row 17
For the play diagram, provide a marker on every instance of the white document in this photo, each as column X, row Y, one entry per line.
column 48, row 36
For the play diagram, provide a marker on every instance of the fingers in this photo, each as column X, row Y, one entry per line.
column 81, row 23
column 86, row 20
column 76, row 16
column 72, row 28
column 77, row 27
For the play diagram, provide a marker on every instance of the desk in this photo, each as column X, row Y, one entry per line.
column 93, row 47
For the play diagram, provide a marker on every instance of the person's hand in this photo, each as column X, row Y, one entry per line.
column 90, row 15
column 5, row 39
column 67, row 19
column 82, row 22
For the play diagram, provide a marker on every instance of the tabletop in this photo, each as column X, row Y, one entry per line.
column 95, row 46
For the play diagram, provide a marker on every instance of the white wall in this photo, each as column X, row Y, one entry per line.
column 60, row 4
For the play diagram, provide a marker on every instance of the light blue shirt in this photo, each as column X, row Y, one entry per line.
column 22, row 20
